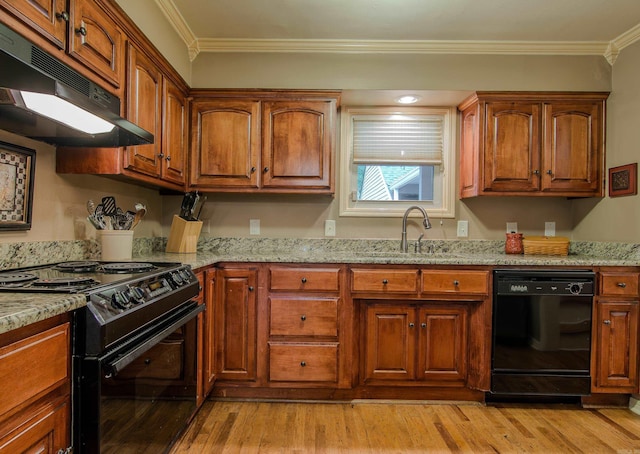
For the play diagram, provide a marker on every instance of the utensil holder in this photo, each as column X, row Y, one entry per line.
column 183, row 236
column 116, row 244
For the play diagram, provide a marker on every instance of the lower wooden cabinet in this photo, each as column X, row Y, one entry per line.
column 415, row 343
column 35, row 405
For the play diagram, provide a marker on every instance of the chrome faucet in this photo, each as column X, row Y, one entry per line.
column 425, row 222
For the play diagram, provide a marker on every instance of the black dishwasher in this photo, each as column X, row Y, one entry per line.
column 541, row 333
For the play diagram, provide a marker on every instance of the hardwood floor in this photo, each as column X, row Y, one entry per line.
column 381, row 427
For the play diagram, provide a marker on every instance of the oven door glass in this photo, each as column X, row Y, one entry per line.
column 142, row 398
column 542, row 333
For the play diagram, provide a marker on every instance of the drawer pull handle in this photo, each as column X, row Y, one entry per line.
column 411, row 325
column 423, row 325
column 456, row 282
column 303, row 318
column 304, row 280
column 622, row 284
column 303, row 363
column 607, row 322
column 385, row 281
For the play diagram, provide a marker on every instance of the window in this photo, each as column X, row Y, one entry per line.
column 393, row 158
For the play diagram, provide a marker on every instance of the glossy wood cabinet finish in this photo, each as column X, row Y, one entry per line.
column 35, row 413
column 530, row 143
column 44, row 16
column 209, row 328
column 388, row 280
column 96, row 40
column 615, row 333
column 306, row 326
column 457, row 282
column 267, row 141
column 235, row 323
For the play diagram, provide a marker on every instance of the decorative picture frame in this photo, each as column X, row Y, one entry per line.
column 623, row 180
column 17, row 172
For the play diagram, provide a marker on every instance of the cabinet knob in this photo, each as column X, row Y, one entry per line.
column 411, row 325
column 622, row 284
column 81, row 31
column 303, row 363
column 251, row 288
column 536, row 172
column 168, row 158
column 385, row 281
column 303, row 318
column 304, row 280
column 63, row 16
column 423, row 325
column 147, row 361
column 265, row 170
column 456, row 283
column 607, row 322
column 161, row 155
column 253, row 169
column 549, row 172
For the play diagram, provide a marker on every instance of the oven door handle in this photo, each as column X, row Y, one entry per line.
column 114, row 367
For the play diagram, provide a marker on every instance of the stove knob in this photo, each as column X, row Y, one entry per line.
column 177, row 279
column 120, row 300
column 185, row 276
column 575, row 289
column 136, row 294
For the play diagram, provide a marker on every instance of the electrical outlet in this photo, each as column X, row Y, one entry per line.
column 512, row 227
column 550, row 228
column 463, row 229
column 329, row 227
column 254, row 226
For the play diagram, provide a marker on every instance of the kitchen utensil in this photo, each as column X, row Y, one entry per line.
column 199, row 209
column 194, row 202
column 109, row 206
column 186, row 206
column 141, row 210
column 91, row 206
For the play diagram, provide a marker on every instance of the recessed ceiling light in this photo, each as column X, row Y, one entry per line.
column 407, row 99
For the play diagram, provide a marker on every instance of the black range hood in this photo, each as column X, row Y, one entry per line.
column 26, row 71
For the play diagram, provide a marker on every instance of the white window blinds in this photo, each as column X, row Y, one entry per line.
column 398, row 139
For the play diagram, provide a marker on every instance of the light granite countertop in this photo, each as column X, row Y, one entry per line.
column 21, row 309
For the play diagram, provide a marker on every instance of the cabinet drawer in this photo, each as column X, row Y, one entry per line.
column 384, row 281
column 303, row 317
column 305, row 279
column 303, row 362
column 454, row 281
column 34, row 366
column 619, row 284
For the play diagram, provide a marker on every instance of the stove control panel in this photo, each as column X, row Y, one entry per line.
column 145, row 289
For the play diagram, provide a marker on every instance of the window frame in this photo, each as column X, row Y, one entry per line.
column 396, row 208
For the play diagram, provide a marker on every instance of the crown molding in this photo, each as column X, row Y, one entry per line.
column 609, row 49
column 403, row 46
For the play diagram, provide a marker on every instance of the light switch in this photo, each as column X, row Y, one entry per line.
column 254, row 226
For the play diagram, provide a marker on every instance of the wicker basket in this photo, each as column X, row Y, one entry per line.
column 546, row 245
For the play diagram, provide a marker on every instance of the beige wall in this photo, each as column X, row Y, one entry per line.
column 59, row 203
column 617, row 219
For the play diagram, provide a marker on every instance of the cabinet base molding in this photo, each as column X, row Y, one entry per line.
column 423, row 394
column 607, row 400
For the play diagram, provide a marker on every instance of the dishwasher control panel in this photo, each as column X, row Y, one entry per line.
column 547, row 282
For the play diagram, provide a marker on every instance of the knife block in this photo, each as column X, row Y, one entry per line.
column 183, row 236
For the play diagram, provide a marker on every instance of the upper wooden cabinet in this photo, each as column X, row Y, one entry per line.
column 85, row 29
column 263, row 141
column 527, row 143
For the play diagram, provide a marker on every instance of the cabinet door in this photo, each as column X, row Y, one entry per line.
column 389, row 343
column 174, row 133
column 616, row 347
column 573, row 147
column 44, row 16
column 442, row 350
column 512, row 147
column 298, row 144
column 144, row 108
column 225, row 144
column 236, row 318
column 96, row 41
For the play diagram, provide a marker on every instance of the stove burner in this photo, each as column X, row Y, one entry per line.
column 16, row 278
column 77, row 267
column 126, row 267
column 63, row 281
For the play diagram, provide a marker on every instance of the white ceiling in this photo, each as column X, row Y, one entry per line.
column 577, row 27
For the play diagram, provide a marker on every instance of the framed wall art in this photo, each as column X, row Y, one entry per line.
column 623, row 180
column 17, row 171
